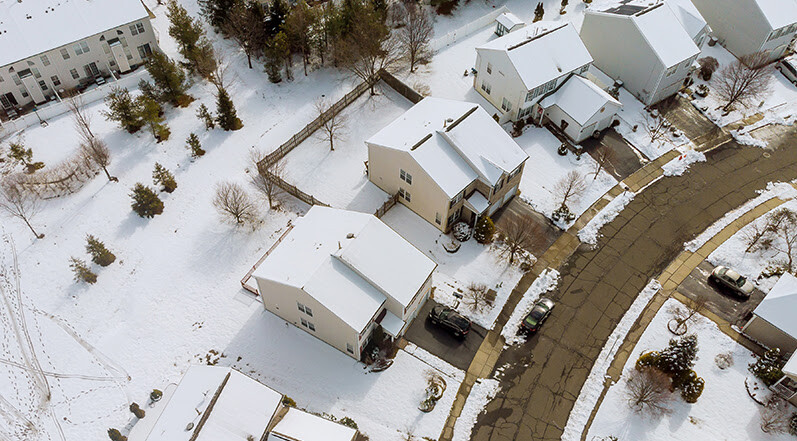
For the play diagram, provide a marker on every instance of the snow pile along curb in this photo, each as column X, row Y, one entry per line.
column 589, row 234
column 591, row 391
column 742, row 137
column 679, row 165
column 482, row 392
column 544, row 283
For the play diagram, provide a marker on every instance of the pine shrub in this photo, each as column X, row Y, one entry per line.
column 226, row 115
column 648, row 359
column 137, row 411
column 82, row 272
column 99, row 253
column 115, row 435
column 123, row 109
column 162, row 133
column 348, row 422
column 204, row 114
column 484, row 230
column 679, row 356
column 146, row 202
column 163, row 177
column 155, row 395
column 691, row 386
column 288, row 401
column 767, row 367
column 193, row 144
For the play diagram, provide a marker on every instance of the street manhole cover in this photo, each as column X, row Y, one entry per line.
column 766, row 154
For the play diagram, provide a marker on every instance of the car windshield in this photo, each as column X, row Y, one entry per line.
column 537, row 313
column 740, row 281
column 460, row 321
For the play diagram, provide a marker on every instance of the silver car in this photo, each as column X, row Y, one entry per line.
column 733, row 280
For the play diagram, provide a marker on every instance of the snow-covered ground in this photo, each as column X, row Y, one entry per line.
column 482, row 392
column 589, row 234
column 472, row 263
column 338, row 177
column 679, row 165
column 546, row 281
column 723, row 412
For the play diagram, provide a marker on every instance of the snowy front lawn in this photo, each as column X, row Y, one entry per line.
column 723, row 412
column 473, row 263
column 337, row 177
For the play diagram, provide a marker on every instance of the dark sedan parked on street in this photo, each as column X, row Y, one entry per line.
column 538, row 314
column 449, row 319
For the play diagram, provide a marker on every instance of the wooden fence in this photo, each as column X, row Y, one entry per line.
column 406, row 91
column 386, row 206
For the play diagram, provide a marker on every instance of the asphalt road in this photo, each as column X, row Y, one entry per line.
column 545, row 375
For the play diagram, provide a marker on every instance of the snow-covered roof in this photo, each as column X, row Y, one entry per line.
column 31, row 27
column 779, row 307
column 541, row 52
column 244, row 407
column 392, row 324
column 778, row 13
column 302, row 426
column 790, row 368
column 351, row 283
column 455, row 142
column 477, row 202
column 580, row 98
column 691, row 19
column 509, row 20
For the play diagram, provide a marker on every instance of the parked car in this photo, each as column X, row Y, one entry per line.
column 788, row 67
column 539, row 313
column 449, row 319
column 733, row 280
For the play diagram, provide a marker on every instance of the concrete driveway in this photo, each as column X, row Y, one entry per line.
column 683, row 115
column 517, row 208
column 441, row 343
column 719, row 299
column 626, row 159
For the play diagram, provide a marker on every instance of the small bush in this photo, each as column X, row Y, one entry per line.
column 724, row 360
column 348, row 422
column 193, row 144
column 115, row 435
column 184, row 100
column 164, row 178
column 485, row 230
column 691, row 386
column 99, row 253
column 204, row 115
column 648, row 391
column 82, row 271
column 648, row 359
column 162, row 133
column 146, row 202
column 288, row 401
column 793, row 424
column 461, row 231
column 137, row 411
column 155, row 395
column 767, row 367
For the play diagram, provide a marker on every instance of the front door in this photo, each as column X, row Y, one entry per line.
column 91, row 70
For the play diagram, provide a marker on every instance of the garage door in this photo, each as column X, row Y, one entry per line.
column 509, row 195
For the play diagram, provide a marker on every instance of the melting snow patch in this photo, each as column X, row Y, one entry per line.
column 482, row 392
column 591, row 391
column 742, row 137
column 678, row 166
column 589, row 234
column 544, row 283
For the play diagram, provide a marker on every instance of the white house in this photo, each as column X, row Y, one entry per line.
column 506, row 23
column 337, row 274
column 748, row 26
column 690, row 18
column 447, row 160
column 647, row 49
column 515, row 71
column 49, row 47
column 579, row 108
column 773, row 324
column 214, row 403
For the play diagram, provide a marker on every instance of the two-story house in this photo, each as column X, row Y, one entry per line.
column 748, row 26
column 647, row 48
column 447, row 160
column 516, row 71
column 337, row 274
column 48, row 47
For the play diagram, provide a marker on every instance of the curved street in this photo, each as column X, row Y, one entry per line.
column 545, row 375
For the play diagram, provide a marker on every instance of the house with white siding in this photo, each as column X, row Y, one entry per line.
column 50, row 47
column 647, row 48
column 748, row 26
column 447, row 160
column 337, row 274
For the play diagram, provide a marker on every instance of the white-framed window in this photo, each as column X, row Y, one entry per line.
column 42, row 85
column 106, row 48
column 308, row 311
column 144, row 51
column 81, row 48
column 17, row 81
column 671, row 71
column 405, row 194
column 524, row 112
column 456, row 199
column 56, row 81
column 349, row 348
column 45, row 60
column 489, row 68
column 437, row 219
column 300, row 306
column 498, row 185
column 584, row 69
column 406, row 177
column 486, row 87
column 515, row 172
column 74, row 73
column 64, row 53
column 137, row 28
column 24, row 93
column 36, row 72
column 506, row 105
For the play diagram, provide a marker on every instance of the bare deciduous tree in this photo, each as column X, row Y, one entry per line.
column 603, row 155
column 80, row 117
column 244, row 25
column 369, row 48
column 234, row 203
column 335, row 124
column 655, row 127
column 784, row 228
column 648, row 391
column 265, row 177
column 476, row 296
column 416, row 32
column 94, row 151
column 774, row 416
column 18, row 202
column 683, row 315
column 743, row 80
column 219, row 74
column 570, row 187
column 519, row 235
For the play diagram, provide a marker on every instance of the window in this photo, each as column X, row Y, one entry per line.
column 43, row 85
column 515, row 172
column 498, row 185
column 45, row 60
column 405, row 194
column 36, row 72
column 308, row 325
column 406, row 177
column 24, row 93
column 144, row 51
column 489, row 68
column 308, row 311
column 671, row 71
column 64, row 53
column 525, row 112
column 91, row 69
column 106, row 48
column 17, row 81
column 137, row 28
column 300, row 306
column 456, row 199
column 74, row 73
column 454, row 216
column 55, row 80
column 584, row 69
column 437, row 218
column 486, row 87
column 81, row 48
column 349, row 348
column 506, row 105
column 1, row 79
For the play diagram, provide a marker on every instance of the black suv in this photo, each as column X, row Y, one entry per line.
column 452, row 320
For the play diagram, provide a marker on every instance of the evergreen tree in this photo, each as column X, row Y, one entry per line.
column 679, row 356
column 215, row 11
column 539, row 12
column 150, row 113
column 123, row 109
column 204, row 114
column 281, row 49
column 564, row 5
column 184, row 29
column 170, row 80
column 162, row 176
column 194, row 146
column 99, row 253
column 300, row 27
column 115, row 435
column 276, row 18
column 82, row 271
column 484, row 230
column 146, row 202
column 137, row 411
column 691, row 386
column 226, row 115
column 18, row 152
column 767, row 367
